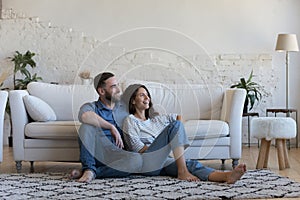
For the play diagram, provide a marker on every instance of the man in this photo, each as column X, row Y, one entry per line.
column 100, row 136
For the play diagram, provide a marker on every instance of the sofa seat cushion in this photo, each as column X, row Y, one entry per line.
column 53, row 130
column 204, row 129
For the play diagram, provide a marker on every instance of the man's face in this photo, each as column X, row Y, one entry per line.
column 111, row 90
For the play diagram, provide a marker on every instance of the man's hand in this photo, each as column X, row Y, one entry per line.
column 115, row 133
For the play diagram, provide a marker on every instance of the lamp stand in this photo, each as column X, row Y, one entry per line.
column 287, row 82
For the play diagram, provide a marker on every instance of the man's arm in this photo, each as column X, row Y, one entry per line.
column 90, row 117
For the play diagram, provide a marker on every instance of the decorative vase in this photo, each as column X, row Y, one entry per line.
column 86, row 81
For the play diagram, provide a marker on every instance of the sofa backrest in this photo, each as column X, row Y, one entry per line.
column 65, row 100
column 190, row 101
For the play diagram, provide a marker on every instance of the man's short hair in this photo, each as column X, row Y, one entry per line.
column 99, row 80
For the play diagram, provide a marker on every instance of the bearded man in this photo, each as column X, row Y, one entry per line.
column 100, row 135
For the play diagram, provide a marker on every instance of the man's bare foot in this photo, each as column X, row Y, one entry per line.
column 75, row 174
column 187, row 176
column 237, row 173
column 87, row 176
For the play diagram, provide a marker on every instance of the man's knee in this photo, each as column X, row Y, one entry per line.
column 86, row 135
column 85, row 129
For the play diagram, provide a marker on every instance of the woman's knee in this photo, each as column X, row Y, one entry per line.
column 176, row 127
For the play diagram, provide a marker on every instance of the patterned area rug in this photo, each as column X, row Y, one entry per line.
column 254, row 184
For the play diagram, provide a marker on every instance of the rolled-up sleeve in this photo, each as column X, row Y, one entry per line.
column 85, row 108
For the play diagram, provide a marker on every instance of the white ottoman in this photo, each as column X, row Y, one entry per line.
column 268, row 128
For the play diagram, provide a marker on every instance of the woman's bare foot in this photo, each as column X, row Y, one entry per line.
column 87, row 176
column 75, row 174
column 236, row 173
column 187, row 176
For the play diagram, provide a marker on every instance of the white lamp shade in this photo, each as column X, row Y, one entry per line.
column 287, row 42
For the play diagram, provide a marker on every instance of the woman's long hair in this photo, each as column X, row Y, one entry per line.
column 132, row 109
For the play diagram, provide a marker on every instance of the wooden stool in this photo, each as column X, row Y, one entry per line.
column 268, row 128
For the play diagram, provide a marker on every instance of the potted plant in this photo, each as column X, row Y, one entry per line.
column 21, row 62
column 253, row 93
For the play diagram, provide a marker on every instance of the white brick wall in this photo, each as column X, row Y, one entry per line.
column 61, row 53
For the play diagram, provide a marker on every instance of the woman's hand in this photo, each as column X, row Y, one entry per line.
column 143, row 149
column 179, row 118
column 117, row 136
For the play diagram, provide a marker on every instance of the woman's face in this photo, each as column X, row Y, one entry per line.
column 142, row 99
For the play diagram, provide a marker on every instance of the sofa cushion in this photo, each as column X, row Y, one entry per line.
column 65, row 100
column 204, row 129
column 52, row 130
column 38, row 109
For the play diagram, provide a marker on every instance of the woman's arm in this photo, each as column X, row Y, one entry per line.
column 179, row 118
column 132, row 136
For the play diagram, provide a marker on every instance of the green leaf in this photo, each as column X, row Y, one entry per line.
column 21, row 62
column 252, row 88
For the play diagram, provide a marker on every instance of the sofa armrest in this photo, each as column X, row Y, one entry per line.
column 232, row 111
column 19, row 119
column 3, row 100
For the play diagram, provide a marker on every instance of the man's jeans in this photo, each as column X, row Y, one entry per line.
column 99, row 154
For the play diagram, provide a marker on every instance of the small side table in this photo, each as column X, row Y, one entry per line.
column 288, row 112
column 249, row 115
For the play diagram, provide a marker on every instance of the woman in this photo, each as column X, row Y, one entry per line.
column 155, row 137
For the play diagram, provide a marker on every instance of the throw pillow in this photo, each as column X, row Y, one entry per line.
column 38, row 109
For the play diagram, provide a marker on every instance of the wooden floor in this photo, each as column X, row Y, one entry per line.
column 249, row 157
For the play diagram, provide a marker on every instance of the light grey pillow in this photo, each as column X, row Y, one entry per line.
column 38, row 109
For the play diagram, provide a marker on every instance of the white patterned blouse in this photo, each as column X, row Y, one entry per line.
column 138, row 133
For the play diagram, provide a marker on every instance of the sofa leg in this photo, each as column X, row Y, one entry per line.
column 31, row 167
column 18, row 166
column 223, row 164
column 235, row 163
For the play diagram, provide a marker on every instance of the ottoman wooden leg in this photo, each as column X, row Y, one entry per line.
column 267, row 153
column 280, row 153
column 286, row 156
column 263, row 156
column 283, row 158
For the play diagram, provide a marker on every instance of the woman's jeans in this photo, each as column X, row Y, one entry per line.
column 156, row 160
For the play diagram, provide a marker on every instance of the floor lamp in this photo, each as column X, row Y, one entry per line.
column 287, row 43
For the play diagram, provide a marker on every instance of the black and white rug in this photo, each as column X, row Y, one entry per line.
column 254, row 184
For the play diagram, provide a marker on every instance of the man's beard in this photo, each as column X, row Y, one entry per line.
column 112, row 98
